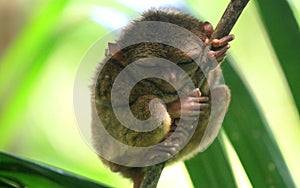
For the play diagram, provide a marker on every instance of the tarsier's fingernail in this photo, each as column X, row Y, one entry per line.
column 199, row 92
column 215, row 41
column 206, row 41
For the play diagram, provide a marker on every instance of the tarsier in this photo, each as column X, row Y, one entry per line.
column 169, row 110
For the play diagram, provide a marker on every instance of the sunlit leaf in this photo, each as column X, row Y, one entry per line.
column 211, row 168
column 284, row 35
column 251, row 137
column 22, row 63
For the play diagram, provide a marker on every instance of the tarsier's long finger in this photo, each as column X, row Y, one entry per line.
column 221, row 57
column 196, row 112
column 189, row 106
column 198, row 99
column 219, row 54
column 194, row 104
column 194, row 93
column 216, row 43
column 204, row 106
column 190, row 113
column 203, row 99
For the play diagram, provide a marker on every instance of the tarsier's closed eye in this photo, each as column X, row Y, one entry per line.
column 189, row 65
column 190, row 61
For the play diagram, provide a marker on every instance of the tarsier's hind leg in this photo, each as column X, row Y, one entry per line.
column 220, row 98
column 188, row 110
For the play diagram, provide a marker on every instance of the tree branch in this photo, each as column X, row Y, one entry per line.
column 226, row 23
column 229, row 18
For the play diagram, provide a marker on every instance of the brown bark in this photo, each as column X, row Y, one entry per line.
column 229, row 18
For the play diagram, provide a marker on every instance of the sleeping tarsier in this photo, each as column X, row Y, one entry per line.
column 158, row 37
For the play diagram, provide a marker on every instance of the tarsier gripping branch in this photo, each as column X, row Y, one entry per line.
column 158, row 95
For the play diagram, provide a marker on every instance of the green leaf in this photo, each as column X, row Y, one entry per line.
column 17, row 172
column 251, row 138
column 211, row 168
column 23, row 61
column 18, row 57
column 284, row 34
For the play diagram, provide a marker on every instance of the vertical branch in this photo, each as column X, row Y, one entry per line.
column 229, row 18
column 226, row 23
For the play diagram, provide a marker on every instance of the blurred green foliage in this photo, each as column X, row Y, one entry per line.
column 17, row 172
column 43, row 43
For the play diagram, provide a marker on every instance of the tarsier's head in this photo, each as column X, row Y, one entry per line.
column 161, row 38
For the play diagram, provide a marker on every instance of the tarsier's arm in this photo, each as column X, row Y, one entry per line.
column 194, row 99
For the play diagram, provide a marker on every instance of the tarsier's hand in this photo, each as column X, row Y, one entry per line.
column 190, row 106
column 219, row 47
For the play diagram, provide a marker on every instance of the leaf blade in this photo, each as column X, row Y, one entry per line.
column 16, row 170
column 204, row 169
column 284, row 38
column 250, row 135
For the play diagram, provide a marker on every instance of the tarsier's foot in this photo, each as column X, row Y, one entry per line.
column 219, row 47
column 173, row 143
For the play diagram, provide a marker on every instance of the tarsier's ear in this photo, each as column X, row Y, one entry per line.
column 208, row 29
column 112, row 49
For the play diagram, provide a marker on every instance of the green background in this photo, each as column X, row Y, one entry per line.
column 42, row 44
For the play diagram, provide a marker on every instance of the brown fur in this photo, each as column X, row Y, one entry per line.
column 147, row 89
